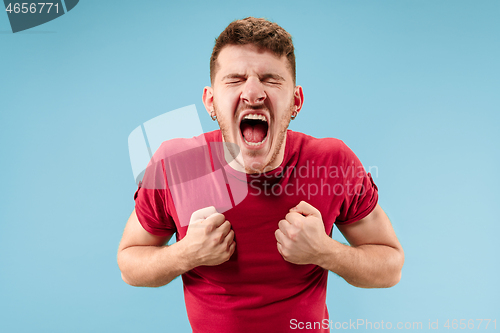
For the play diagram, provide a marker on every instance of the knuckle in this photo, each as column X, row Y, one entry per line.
column 209, row 228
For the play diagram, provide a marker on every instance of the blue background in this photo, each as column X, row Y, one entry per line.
column 413, row 87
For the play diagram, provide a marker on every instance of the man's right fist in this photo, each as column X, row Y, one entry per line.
column 209, row 239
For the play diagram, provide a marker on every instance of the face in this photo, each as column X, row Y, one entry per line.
column 253, row 96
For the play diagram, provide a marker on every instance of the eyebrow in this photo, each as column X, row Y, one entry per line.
column 264, row 76
column 272, row 76
column 233, row 76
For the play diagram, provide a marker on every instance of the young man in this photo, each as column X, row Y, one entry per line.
column 262, row 265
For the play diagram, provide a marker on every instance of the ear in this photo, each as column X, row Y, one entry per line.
column 208, row 99
column 298, row 97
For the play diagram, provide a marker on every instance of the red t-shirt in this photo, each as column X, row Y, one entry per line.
column 256, row 290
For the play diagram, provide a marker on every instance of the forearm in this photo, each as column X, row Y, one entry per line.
column 152, row 266
column 365, row 266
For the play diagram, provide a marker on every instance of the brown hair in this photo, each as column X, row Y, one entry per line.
column 257, row 31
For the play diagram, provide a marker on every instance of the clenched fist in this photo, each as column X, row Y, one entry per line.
column 209, row 239
column 301, row 235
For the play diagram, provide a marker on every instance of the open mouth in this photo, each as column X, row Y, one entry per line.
column 254, row 128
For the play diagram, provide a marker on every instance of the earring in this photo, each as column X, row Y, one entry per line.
column 294, row 114
column 213, row 116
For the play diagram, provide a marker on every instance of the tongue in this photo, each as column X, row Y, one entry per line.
column 254, row 133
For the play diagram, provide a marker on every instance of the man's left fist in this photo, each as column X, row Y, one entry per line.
column 301, row 235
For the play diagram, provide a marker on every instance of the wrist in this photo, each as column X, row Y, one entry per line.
column 185, row 259
column 327, row 253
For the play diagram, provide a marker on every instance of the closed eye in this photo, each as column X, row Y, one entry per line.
column 272, row 81
column 234, row 81
column 233, row 78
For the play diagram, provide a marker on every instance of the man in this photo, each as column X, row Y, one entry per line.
column 262, row 265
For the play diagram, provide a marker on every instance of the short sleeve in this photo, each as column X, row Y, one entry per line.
column 360, row 193
column 151, row 202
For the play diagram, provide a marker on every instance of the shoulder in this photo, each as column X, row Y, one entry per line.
column 179, row 160
column 178, row 146
column 308, row 146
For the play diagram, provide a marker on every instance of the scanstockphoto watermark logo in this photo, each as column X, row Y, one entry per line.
column 26, row 15
column 365, row 325
column 358, row 324
column 170, row 151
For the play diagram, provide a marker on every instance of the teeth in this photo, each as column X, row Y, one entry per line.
column 255, row 143
column 256, row 117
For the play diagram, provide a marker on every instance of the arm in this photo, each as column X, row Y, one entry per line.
column 146, row 261
column 143, row 258
column 374, row 259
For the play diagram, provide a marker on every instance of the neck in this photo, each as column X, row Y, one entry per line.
column 237, row 162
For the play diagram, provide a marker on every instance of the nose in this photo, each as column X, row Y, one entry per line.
column 253, row 91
